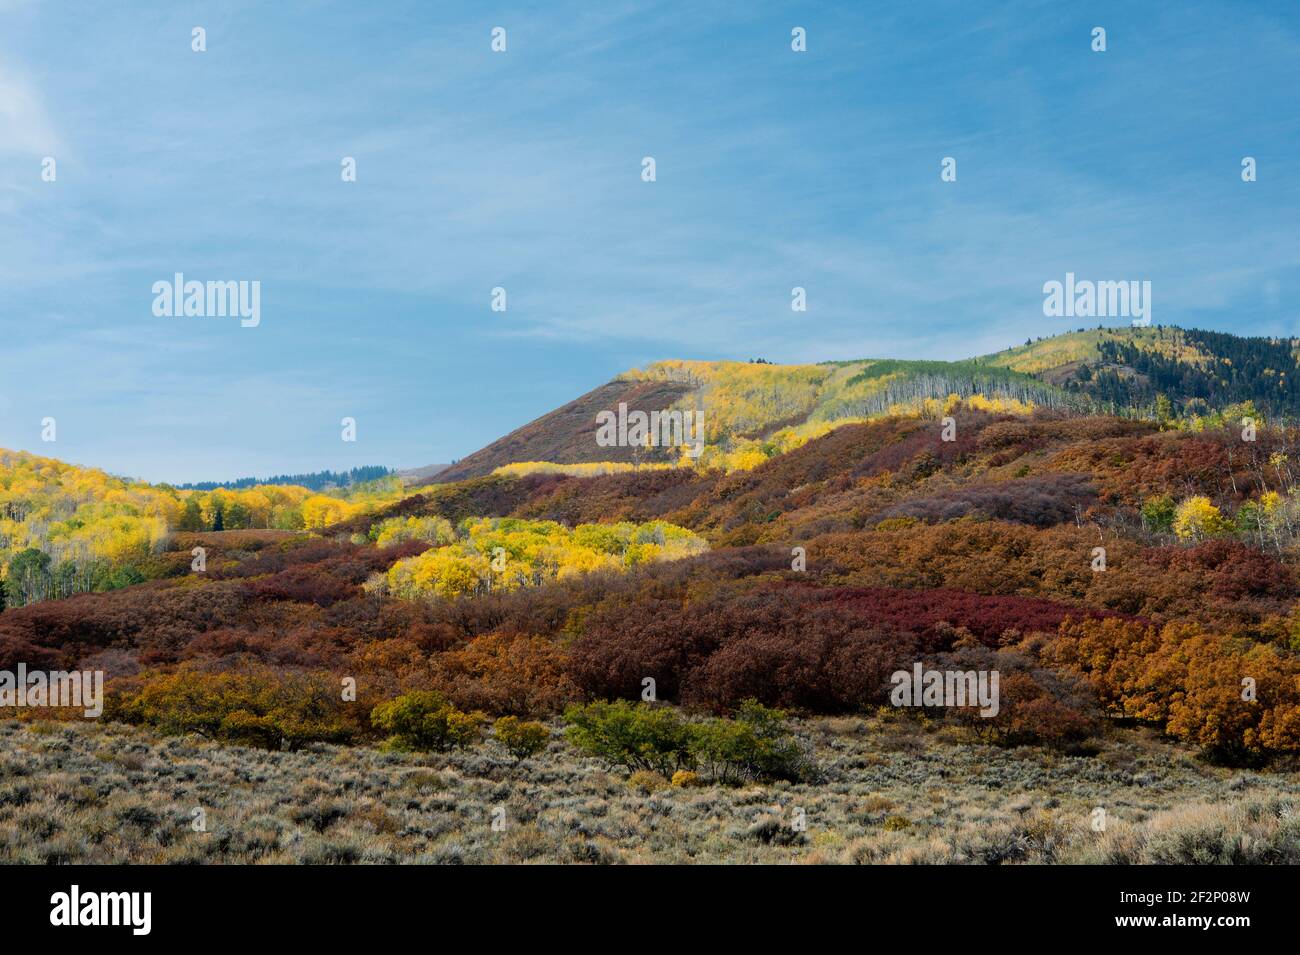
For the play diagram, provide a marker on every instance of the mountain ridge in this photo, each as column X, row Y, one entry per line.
column 754, row 409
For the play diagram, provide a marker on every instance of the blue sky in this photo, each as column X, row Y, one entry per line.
column 522, row 170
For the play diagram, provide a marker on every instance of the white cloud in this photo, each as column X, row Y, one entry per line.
column 24, row 124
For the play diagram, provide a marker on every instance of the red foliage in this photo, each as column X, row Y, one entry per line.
column 1232, row 570
column 802, row 646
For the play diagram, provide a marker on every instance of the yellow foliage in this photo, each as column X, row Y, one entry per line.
column 1083, row 346
column 434, row 530
column 510, row 553
column 999, row 405
column 78, row 515
column 1196, row 519
column 89, row 522
column 320, row 511
column 740, row 397
column 686, row 779
column 586, row 469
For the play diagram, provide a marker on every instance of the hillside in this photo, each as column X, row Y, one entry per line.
column 1125, row 369
column 427, row 808
column 754, row 410
column 567, row 434
column 494, row 634
column 801, row 583
column 66, row 529
column 484, row 622
column 422, row 474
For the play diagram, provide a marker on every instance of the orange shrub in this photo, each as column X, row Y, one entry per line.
column 1238, row 699
column 506, row 673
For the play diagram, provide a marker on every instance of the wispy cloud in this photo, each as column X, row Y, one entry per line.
column 25, row 127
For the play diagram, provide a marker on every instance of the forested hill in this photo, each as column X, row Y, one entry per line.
column 1129, row 370
column 754, row 409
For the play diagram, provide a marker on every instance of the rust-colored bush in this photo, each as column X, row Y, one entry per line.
column 507, row 674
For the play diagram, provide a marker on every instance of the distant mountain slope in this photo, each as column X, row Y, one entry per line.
column 421, row 475
column 316, row 481
column 753, row 410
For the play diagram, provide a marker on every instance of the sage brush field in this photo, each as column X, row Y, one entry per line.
column 891, row 790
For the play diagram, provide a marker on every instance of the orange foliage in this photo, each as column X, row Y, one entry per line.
column 506, row 673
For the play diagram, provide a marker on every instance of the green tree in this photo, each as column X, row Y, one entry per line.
column 124, row 576
column 191, row 515
column 637, row 736
column 1164, row 408
column 755, row 745
column 1158, row 513
column 237, row 516
column 522, row 739
column 29, row 577
column 425, row 720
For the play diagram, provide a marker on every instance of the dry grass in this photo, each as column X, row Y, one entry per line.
column 892, row 792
